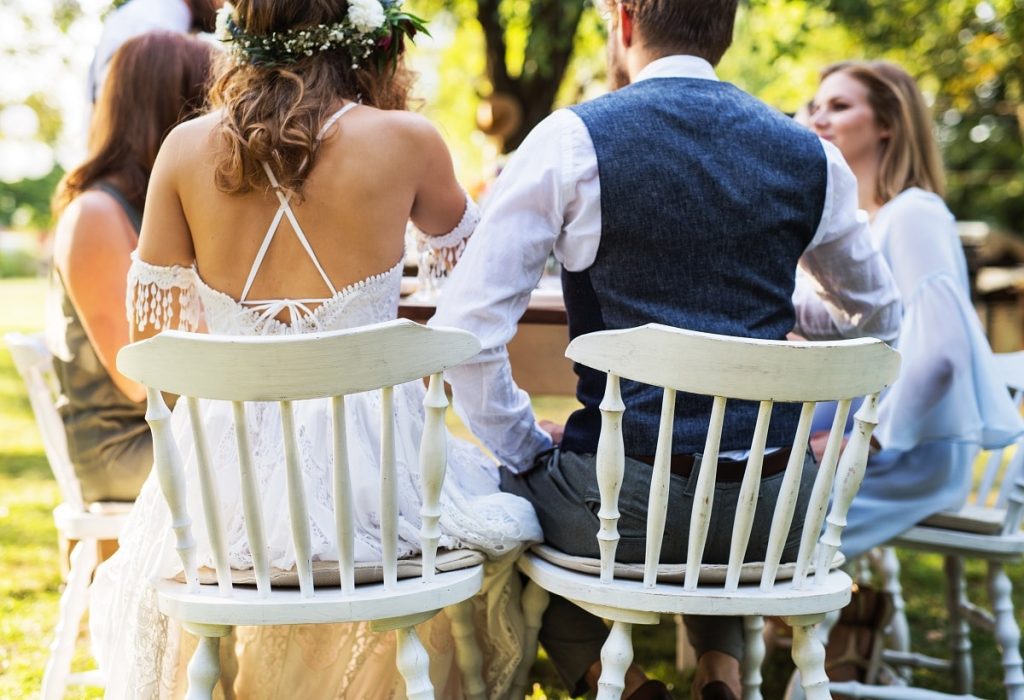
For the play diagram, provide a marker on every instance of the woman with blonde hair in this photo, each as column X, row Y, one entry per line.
column 284, row 211
column 949, row 401
column 156, row 81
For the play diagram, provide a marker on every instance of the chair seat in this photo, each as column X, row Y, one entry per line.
column 326, row 574
column 946, row 541
column 103, row 521
column 971, row 518
column 246, row 606
column 668, row 597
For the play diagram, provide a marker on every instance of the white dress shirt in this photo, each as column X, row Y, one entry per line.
column 549, row 198
column 129, row 21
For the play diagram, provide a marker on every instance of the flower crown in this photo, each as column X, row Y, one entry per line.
column 371, row 27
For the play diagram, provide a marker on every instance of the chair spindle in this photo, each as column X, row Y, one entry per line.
column 298, row 511
column 818, row 504
column 251, row 502
column 661, row 475
column 611, row 463
column 747, row 499
column 852, row 466
column 785, row 507
column 211, row 508
column 700, row 518
column 171, row 474
column 388, row 488
column 433, row 461
column 343, row 519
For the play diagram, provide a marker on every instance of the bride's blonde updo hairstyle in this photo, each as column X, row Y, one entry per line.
column 274, row 105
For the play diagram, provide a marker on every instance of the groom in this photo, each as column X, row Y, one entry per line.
column 677, row 199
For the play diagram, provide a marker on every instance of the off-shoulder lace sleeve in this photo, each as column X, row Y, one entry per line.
column 158, row 294
column 438, row 254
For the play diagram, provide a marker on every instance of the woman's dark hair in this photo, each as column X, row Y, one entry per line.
column 272, row 114
column 155, row 81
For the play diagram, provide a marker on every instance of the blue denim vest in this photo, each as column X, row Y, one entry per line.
column 708, row 199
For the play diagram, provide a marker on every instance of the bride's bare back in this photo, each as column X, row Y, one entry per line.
column 375, row 170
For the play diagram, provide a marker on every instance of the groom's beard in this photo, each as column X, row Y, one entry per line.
column 618, row 76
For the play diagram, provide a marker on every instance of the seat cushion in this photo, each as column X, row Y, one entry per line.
column 325, row 573
column 971, row 518
column 671, row 573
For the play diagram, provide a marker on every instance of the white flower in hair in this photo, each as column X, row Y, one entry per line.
column 366, row 15
column 226, row 12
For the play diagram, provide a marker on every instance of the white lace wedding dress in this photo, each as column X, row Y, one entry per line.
column 144, row 654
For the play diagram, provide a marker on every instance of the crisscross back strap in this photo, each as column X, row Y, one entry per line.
column 285, row 210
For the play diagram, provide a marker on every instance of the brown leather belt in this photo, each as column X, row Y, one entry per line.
column 728, row 469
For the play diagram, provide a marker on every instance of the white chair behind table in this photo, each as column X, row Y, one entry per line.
column 725, row 368
column 73, row 519
column 987, row 528
column 284, row 370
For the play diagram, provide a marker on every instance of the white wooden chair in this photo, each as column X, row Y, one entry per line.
column 286, row 369
column 988, row 527
column 725, row 368
column 73, row 518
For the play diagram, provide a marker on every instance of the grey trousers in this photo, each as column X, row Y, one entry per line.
column 562, row 486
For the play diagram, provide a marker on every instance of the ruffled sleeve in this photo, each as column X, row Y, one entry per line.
column 949, row 388
column 162, row 297
column 438, row 254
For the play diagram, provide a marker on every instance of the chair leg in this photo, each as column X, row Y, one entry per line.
column 1006, row 630
column 888, row 565
column 809, row 656
column 414, row 665
column 616, row 656
column 73, row 602
column 204, row 667
column 467, row 651
column 959, row 629
column 535, row 602
column 753, row 656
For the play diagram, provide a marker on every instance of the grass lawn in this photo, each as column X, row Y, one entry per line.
column 30, row 580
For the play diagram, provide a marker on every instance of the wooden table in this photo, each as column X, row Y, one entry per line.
column 537, row 352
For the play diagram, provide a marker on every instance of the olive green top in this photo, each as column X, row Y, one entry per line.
column 108, row 438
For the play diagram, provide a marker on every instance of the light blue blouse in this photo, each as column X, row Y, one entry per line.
column 949, row 401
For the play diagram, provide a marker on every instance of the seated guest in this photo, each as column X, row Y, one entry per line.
column 949, row 401
column 675, row 199
column 156, row 81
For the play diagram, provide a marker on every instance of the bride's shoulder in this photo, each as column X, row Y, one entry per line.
column 192, row 138
column 396, row 124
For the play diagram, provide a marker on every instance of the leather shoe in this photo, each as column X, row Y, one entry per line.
column 717, row 690
column 651, row 690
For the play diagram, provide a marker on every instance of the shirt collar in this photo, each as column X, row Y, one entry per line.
column 678, row 66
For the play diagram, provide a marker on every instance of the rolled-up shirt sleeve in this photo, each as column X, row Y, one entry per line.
column 844, row 288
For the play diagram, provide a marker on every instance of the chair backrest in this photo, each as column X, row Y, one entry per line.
column 285, row 369
column 34, row 363
column 736, row 368
column 1002, row 482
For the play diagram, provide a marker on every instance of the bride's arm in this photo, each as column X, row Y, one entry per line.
column 443, row 214
column 161, row 284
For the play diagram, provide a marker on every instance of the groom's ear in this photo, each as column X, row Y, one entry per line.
column 625, row 24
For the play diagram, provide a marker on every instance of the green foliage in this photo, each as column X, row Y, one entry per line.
column 26, row 204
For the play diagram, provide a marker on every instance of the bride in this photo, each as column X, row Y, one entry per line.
column 284, row 211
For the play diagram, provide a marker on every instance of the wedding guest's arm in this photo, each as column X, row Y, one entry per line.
column 92, row 253
column 547, row 198
column 845, row 288
column 162, row 264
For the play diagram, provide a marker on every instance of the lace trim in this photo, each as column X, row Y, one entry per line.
column 150, row 299
column 438, row 254
column 323, row 315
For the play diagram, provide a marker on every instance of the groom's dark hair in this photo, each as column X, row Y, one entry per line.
column 696, row 27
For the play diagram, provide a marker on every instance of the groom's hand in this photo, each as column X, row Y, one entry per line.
column 555, row 430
